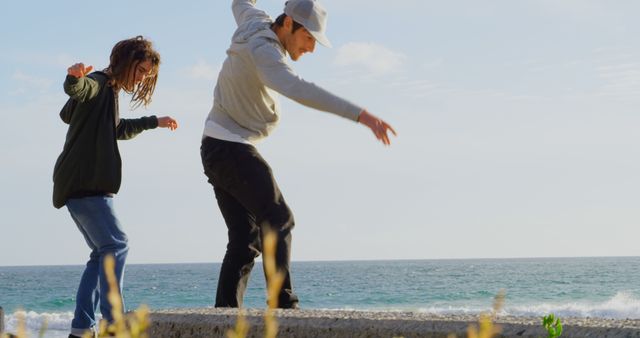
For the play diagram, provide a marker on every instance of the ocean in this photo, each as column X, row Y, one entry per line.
column 583, row 287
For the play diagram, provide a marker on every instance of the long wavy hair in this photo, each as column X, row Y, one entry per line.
column 125, row 58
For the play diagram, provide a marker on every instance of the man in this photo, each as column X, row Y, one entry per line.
column 245, row 111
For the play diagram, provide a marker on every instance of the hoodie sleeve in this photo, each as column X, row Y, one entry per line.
column 81, row 89
column 245, row 10
column 129, row 128
column 276, row 74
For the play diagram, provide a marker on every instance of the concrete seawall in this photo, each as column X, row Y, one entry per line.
column 1, row 320
column 210, row 323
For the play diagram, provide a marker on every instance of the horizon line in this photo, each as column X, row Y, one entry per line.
column 349, row 260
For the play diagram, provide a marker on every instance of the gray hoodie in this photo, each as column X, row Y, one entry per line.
column 245, row 106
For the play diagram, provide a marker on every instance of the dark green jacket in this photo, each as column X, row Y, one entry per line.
column 90, row 162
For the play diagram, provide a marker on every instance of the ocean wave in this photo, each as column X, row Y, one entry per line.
column 623, row 305
column 34, row 321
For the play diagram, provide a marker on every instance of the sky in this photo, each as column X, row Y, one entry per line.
column 517, row 130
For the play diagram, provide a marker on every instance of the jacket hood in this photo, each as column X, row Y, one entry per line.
column 67, row 110
column 252, row 29
column 66, row 113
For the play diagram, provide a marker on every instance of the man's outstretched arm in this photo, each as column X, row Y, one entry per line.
column 276, row 74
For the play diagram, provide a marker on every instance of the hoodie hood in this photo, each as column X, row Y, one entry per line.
column 66, row 113
column 254, row 29
column 67, row 110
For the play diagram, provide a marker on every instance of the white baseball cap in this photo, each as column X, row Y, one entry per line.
column 311, row 15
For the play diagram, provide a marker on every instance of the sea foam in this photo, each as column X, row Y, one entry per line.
column 56, row 324
column 623, row 305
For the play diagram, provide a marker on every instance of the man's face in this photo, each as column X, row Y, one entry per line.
column 300, row 42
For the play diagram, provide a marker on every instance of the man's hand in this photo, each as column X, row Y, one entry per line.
column 377, row 126
column 78, row 70
column 167, row 122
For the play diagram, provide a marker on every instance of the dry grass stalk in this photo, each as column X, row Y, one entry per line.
column 21, row 330
column 133, row 325
column 242, row 327
column 22, row 324
column 275, row 279
column 43, row 328
column 487, row 328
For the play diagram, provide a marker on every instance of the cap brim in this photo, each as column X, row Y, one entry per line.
column 322, row 39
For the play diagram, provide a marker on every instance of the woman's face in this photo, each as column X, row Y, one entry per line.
column 138, row 73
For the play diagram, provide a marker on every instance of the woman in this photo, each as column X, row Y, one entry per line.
column 88, row 172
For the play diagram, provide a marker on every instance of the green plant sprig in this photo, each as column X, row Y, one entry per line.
column 553, row 325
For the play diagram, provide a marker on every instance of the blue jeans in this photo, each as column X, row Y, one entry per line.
column 101, row 229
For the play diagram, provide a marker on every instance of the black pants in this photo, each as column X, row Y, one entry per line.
column 251, row 204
